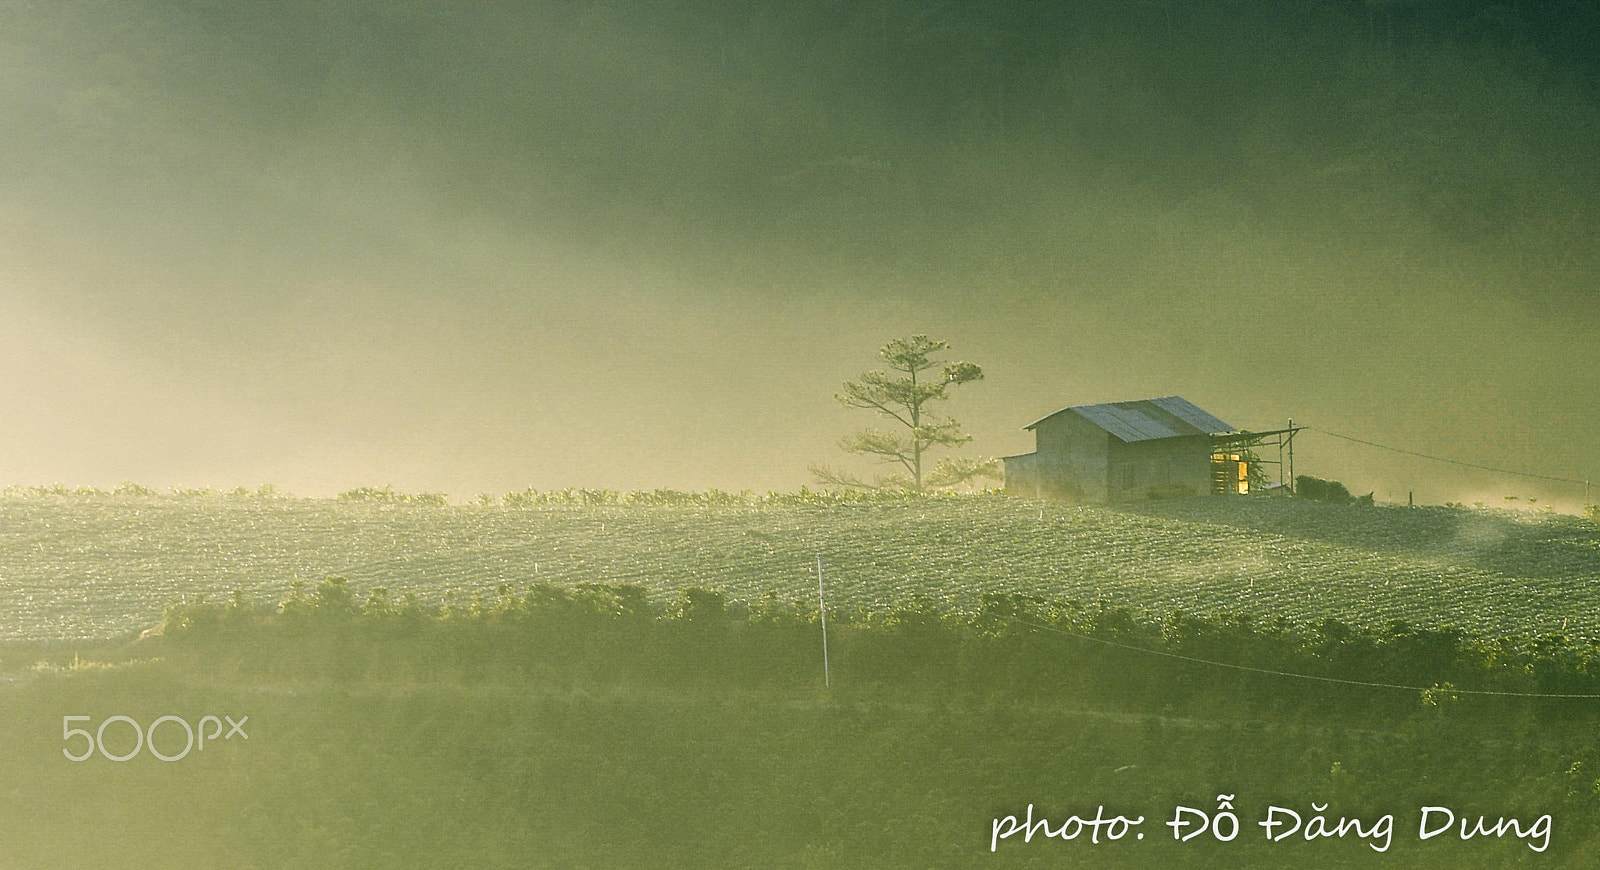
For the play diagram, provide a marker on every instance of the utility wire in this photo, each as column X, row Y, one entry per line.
column 1450, row 461
column 1170, row 655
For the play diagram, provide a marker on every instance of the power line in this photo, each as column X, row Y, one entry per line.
column 1450, row 461
column 1235, row 667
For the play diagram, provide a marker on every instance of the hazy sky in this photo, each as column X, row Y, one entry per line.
column 473, row 248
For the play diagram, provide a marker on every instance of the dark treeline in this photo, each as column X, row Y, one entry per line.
column 1012, row 646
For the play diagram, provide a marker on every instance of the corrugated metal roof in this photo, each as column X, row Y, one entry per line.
column 1147, row 419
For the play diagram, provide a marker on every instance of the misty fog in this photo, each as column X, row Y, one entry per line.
column 639, row 245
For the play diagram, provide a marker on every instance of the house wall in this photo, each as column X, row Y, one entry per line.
column 1022, row 475
column 1163, row 468
column 1072, row 459
column 1078, row 460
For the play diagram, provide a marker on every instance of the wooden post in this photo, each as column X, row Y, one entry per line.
column 1291, row 457
column 822, row 610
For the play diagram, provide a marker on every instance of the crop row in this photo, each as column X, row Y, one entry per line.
column 101, row 567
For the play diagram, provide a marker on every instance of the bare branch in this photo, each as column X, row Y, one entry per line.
column 887, row 446
column 827, row 476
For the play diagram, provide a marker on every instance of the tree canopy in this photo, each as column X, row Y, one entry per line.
column 914, row 380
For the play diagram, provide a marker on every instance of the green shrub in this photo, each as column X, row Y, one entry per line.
column 388, row 494
column 1317, row 489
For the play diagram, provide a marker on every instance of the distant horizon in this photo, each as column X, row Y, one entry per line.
column 1468, row 501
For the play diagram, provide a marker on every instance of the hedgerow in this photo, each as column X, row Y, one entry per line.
column 1012, row 644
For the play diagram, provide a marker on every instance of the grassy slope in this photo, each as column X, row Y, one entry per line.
column 572, row 775
column 558, row 772
column 76, row 567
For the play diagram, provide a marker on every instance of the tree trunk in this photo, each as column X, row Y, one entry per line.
column 916, row 439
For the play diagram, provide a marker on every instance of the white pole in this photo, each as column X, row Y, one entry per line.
column 822, row 609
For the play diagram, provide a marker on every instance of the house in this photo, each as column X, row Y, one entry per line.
column 1131, row 451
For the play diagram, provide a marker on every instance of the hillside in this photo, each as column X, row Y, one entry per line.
column 101, row 566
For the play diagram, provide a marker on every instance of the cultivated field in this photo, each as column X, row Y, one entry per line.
column 99, row 566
